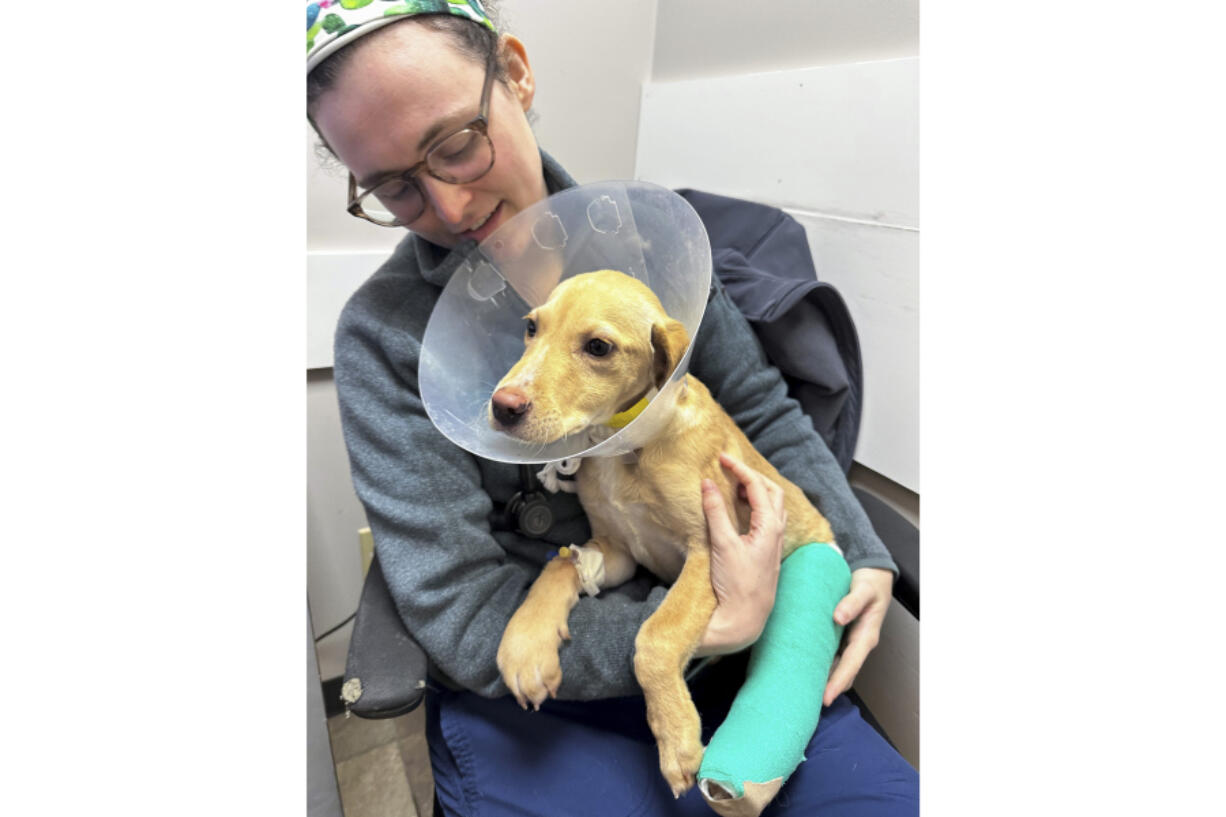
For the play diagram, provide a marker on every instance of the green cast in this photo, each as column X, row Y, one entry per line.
column 775, row 713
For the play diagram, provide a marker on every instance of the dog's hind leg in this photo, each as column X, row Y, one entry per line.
column 662, row 649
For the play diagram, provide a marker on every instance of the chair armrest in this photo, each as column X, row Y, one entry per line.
column 901, row 538
column 389, row 665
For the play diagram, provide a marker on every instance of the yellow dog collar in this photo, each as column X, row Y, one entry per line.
column 623, row 418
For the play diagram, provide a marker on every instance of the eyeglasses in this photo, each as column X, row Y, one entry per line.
column 397, row 198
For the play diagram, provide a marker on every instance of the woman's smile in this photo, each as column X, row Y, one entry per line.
column 482, row 229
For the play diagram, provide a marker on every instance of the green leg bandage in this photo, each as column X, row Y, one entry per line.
column 775, row 713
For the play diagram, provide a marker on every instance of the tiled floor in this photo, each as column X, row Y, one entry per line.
column 382, row 766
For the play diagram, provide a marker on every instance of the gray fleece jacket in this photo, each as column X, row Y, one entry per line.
column 456, row 571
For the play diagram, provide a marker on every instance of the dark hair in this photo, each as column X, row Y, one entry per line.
column 469, row 37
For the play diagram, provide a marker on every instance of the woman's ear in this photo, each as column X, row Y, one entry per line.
column 668, row 343
column 519, row 72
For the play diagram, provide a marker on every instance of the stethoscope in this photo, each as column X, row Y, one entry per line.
column 528, row 510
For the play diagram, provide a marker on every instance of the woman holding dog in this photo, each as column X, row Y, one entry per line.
column 412, row 92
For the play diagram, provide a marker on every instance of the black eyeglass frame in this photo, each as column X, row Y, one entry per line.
column 480, row 126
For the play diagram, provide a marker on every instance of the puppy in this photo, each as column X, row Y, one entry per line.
column 596, row 348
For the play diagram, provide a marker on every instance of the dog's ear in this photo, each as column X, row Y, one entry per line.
column 668, row 342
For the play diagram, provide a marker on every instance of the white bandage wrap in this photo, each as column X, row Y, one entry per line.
column 589, row 562
column 549, row 475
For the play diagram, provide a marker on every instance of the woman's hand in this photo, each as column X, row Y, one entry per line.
column 744, row 569
column 862, row 610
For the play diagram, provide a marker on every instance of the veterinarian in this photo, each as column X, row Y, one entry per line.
column 390, row 94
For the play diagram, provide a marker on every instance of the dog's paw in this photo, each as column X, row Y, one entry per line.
column 680, row 757
column 528, row 660
column 678, row 731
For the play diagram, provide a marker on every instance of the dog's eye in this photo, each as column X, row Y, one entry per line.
column 597, row 347
column 531, row 328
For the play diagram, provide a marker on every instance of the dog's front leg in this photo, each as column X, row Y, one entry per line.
column 528, row 654
column 662, row 649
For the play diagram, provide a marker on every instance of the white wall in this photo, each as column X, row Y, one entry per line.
column 778, row 109
column 704, row 38
column 334, row 515
column 591, row 58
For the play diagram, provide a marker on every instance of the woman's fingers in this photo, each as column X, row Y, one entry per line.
column 751, row 480
column 853, row 604
column 765, row 498
column 863, row 610
column 719, row 525
column 844, row 673
column 862, row 638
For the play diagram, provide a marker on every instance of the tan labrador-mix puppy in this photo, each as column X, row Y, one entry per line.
column 599, row 345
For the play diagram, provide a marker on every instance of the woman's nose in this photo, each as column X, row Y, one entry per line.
column 447, row 200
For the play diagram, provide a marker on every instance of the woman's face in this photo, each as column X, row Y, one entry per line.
column 408, row 87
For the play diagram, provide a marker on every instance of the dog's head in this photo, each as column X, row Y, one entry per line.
column 598, row 345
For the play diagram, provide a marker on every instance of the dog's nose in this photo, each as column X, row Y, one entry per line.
column 509, row 406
